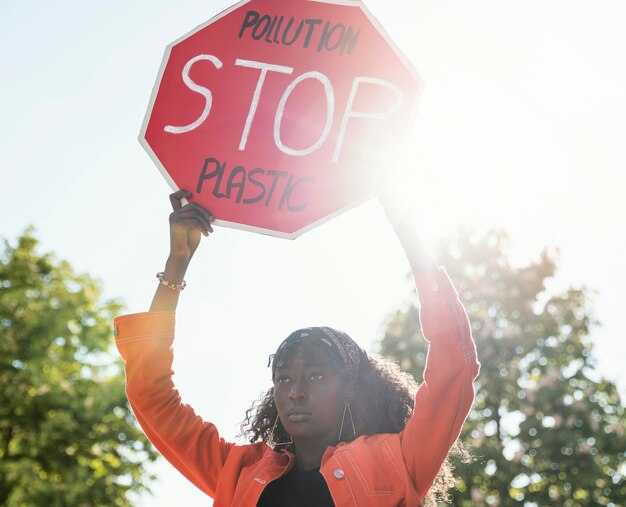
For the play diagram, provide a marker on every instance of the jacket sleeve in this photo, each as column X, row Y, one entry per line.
column 445, row 397
column 192, row 445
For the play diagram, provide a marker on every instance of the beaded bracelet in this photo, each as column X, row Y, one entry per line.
column 174, row 286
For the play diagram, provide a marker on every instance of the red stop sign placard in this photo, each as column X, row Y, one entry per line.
column 279, row 114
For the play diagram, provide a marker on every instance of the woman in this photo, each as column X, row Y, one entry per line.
column 337, row 428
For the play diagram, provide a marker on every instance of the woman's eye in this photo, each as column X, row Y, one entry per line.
column 282, row 380
column 316, row 377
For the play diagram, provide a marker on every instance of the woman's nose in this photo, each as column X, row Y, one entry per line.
column 298, row 391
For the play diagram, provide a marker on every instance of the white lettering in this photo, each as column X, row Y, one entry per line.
column 264, row 67
column 208, row 96
column 330, row 108
column 349, row 113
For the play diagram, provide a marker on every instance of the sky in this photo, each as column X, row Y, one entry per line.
column 520, row 126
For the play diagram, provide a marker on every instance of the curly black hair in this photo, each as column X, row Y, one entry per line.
column 383, row 403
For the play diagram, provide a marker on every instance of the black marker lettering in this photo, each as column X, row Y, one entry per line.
column 269, row 32
column 350, row 40
column 277, row 31
column 289, row 192
column 277, row 175
column 219, row 172
column 285, row 192
column 312, row 23
column 266, row 182
column 251, row 18
column 296, row 35
column 264, row 19
column 327, row 35
column 237, row 171
column 251, row 174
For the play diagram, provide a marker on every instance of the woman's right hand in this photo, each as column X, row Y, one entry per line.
column 187, row 224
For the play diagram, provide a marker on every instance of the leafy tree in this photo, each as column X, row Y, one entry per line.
column 546, row 428
column 67, row 436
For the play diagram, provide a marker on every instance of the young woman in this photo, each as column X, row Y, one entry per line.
column 338, row 428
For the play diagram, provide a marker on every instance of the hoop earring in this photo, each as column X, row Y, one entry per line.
column 272, row 441
column 347, row 406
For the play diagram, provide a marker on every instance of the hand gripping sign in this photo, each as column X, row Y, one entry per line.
column 279, row 114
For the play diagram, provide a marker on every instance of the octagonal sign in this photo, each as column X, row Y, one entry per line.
column 279, row 114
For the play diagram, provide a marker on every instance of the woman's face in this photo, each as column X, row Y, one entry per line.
column 310, row 396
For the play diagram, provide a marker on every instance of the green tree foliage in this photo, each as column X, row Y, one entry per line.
column 546, row 428
column 67, row 436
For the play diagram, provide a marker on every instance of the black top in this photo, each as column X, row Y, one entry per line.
column 297, row 489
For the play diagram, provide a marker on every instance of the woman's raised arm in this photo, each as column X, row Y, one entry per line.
column 446, row 394
column 398, row 208
column 187, row 225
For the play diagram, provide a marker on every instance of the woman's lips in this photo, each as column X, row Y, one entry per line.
column 298, row 416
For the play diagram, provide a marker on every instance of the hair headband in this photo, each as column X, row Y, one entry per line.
column 337, row 343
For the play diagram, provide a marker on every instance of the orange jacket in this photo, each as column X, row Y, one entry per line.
column 380, row 470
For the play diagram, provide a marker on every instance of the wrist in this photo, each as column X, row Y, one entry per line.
column 176, row 267
column 405, row 227
column 178, row 287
